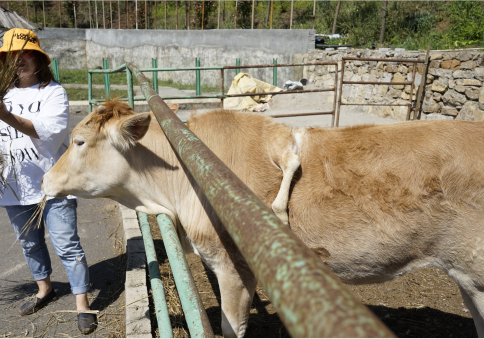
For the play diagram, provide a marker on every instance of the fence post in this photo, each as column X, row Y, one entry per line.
column 55, row 69
column 129, row 82
column 107, row 85
column 154, row 64
column 274, row 73
column 89, row 90
column 237, row 63
column 197, row 64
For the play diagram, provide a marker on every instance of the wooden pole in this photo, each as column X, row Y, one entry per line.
column 156, row 14
column 189, row 10
column 218, row 19
column 292, row 10
column 60, row 17
column 253, row 5
column 43, row 11
column 119, row 16
column 383, row 22
column 272, row 10
column 203, row 12
column 146, row 15
column 422, row 84
column 111, row 10
column 165, row 14
column 236, row 7
column 97, row 22
column 314, row 13
column 176, row 15
column 90, row 15
column 127, row 15
column 136, row 10
column 336, row 17
column 104, row 16
column 75, row 17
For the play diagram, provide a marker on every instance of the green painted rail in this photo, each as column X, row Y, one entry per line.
column 310, row 300
column 161, row 309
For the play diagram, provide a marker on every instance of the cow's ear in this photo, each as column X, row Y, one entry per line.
column 174, row 107
column 129, row 131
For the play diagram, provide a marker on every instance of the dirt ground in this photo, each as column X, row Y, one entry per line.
column 424, row 303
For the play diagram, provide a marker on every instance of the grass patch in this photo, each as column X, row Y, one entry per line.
column 79, row 76
column 77, row 94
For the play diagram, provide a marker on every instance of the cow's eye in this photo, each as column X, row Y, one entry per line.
column 79, row 142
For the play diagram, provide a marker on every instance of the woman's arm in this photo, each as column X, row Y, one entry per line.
column 20, row 124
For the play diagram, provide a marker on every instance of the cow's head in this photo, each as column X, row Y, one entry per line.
column 95, row 164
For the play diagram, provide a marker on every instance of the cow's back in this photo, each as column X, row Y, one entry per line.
column 381, row 197
column 241, row 141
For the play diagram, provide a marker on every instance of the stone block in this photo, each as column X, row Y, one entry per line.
column 436, row 56
column 451, row 84
column 437, row 96
column 481, row 98
column 471, row 112
column 135, row 245
column 472, row 93
column 394, row 93
column 380, row 65
column 460, row 74
column 312, row 68
column 368, row 77
column 452, row 98
column 402, row 69
column 434, row 116
column 382, row 89
column 468, row 82
column 449, row 110
column 136, row 261
column 464, row 56
column 430, row 106
column 391, row 68
column 450, row 64
column 440, row 72
column 355, row 77
column 479, row 73
column 135, row 277
column 399, row 77
column 439, row 86
column 133, row 233
column 362, row 70
column 449, row 56
column 376, row 72
column 430, row 78
column 386, row 77
column 435, row 64
column 468, row 65
column 460, row 89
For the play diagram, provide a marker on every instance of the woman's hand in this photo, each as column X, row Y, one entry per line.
column 4, row 114
column 20, row 124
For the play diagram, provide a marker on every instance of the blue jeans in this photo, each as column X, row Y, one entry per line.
column 60, row 218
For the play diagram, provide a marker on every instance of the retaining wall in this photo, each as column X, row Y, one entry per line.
column 454, row 84
column 85, row 48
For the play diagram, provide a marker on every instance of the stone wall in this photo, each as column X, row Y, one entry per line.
column 453, row 87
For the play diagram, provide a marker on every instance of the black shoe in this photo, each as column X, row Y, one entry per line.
column 35, row 304
column 87, row 322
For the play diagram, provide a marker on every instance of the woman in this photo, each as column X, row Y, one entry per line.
column 34, row 117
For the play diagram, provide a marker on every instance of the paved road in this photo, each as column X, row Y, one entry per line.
column 100, row 231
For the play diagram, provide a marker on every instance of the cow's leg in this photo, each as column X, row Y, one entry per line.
column 237, row 297
column 474, row 301
column 289, row 164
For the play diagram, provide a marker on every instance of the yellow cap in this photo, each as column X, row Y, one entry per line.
column 14, row 39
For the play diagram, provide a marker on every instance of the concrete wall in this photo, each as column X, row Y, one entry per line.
column 454, row 84
column 85, row 48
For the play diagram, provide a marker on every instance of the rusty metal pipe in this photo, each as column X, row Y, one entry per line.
column 340, row 91
column 310, row 300
column 381, row 59
column 278, row 93
column 299, row 114
column 375, row 83
column 281, row 65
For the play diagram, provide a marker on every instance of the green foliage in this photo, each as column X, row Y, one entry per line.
column 78, row 94
column 466, row 24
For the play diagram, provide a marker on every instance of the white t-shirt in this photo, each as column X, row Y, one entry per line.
column 28, row 159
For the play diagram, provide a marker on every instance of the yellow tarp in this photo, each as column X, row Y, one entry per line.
column 245, row 83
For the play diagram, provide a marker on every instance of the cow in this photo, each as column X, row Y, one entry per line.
column 373, row 202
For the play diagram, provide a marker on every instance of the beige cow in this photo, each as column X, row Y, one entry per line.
column 373, row 202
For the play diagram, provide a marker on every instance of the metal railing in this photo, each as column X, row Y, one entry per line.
column 310, row 300
column 411, row 83
column 221, row 95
